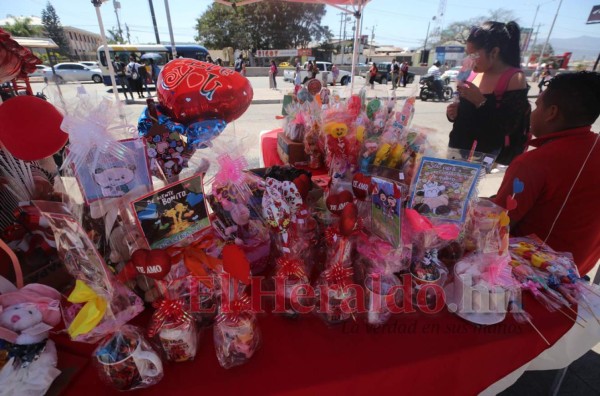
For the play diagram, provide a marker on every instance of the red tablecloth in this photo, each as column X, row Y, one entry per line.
column 412, row 354
column 268, row 145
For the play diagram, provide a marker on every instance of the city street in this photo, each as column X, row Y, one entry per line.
column 266, row 105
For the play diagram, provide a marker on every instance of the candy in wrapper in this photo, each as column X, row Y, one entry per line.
column 291, row 271
column 127, row 361
column 175, row 328
column 336, row 306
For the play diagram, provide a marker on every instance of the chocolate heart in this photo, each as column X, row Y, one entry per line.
column 302, row 182
column 336, row 202
column 348, row 219
column 192, row 90
column 155, row 263
column 361, row 186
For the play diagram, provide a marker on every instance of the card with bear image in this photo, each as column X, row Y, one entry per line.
column 106, row 176
column 172, row 213
column 442, row 188
column 386, row 204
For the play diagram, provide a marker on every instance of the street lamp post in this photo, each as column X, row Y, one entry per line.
column 423, row 60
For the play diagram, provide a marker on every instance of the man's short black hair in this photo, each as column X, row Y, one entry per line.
column 577, row 96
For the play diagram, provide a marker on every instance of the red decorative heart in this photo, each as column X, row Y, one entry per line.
column 155, row 263
column 302, row 182
column 336, row 202
column 191, row 91
column 348, row 219
column 361, row 186
column 236, row 263
column 511, row 203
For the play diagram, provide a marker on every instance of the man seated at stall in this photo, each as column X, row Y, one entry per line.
column 561, row 176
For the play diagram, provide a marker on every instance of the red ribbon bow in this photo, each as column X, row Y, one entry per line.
column 168, row 311
column 338, row 276
column 290, row 267
column 234, row 310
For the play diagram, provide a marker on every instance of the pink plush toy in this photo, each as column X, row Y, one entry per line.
column 26, row 316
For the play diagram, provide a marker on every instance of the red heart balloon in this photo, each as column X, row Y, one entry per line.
column 511, row 203
column 302, row 182
column 155, row 263
column 190, row 91
column 348, row 219
column 361, row 186
column 30, row 128
column 336, row 202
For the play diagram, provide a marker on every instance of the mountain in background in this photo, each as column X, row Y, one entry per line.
column 584, row 46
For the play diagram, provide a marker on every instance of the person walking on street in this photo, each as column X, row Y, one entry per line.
column 154, row 71
column 133, row 77
column 335, row 73
column 238, row 64
column 544, row 78
column 120, row 77
column 434, row 70
column 273, row 75
column 395, row 74
column 404, row 71
column 145, row 77
column 372, row 75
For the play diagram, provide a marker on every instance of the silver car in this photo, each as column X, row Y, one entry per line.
column 74, row 72
column 90, row 64
column 39, row 71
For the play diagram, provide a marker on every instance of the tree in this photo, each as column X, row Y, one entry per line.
column 263, row 25
column 115, row 36
column 22, row 27
column 459, row 31
column 54, row 29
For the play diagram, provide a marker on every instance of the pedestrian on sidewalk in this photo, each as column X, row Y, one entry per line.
column 544, row 78
column 120, row 77
column 372, row 75
column 133, row 76
column 145, row 77
column 155, row 71
column 273, row 75
column 404, row 71
column 335, row 73
column 395, row 73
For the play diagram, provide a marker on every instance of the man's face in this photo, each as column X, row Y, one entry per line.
column 537, row 120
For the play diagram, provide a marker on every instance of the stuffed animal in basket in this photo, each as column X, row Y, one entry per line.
column 27, row 358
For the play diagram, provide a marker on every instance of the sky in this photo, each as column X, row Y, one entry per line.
column 401, row 23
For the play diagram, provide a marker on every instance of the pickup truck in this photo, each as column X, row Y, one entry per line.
column 343, row 78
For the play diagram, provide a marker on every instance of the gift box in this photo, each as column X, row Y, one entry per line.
column 290, row 152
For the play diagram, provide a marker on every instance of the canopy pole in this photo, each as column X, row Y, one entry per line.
column 173, row 49
column 111, row 70
column 357, row 15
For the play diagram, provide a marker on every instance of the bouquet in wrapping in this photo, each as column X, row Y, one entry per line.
column 236, row 202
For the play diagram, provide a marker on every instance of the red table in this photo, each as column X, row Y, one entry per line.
column 412, row 354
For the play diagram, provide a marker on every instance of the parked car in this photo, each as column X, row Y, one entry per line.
column 450, row 74
column 384, row 73
column 343, row 78
column 74, row 72
column 284, row 64
column 91, row 65
column 39, row 71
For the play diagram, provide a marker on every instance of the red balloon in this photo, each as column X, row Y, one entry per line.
column 336, row 202
column 30, row 128
column 190, row 90
column 155, row 263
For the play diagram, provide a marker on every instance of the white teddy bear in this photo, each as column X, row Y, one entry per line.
column 26, row 316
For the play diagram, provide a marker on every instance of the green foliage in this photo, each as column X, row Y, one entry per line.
column 115, row 36
column 54, row 29
column 22, row 27
column 459, row 31
column 263, row 25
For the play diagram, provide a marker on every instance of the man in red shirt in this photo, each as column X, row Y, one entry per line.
column 560, row 202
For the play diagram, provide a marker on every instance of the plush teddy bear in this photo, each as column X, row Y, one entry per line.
column 26, row 316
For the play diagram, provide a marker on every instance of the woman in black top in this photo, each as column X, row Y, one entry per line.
column 493, row 112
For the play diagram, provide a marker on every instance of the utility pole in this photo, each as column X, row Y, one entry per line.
column 117, row 5
column 341, row 21
column 154, row 21
column 551, row 27
column 344, row 41
column 533, row 26
column 173, row 49
column 128, row 34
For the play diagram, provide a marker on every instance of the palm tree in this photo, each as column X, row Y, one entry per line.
column 22, row 27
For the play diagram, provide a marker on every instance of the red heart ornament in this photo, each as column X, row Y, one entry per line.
column 348, row 219
column 302, row 182
column 236, row 263
column 337, row 202
column 155, row 263
column 511, row 203
column 190, row 90
column 361, row 186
